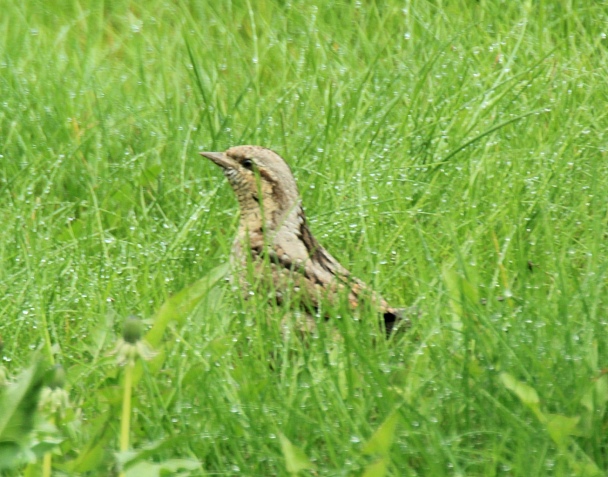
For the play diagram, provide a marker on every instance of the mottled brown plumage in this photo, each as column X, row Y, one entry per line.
column 275, row 239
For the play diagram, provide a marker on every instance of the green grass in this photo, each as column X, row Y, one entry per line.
column 452, row 154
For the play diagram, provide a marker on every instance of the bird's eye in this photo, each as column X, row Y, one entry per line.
column 247, row 164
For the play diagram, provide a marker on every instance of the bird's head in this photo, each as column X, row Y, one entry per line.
column 261, row 180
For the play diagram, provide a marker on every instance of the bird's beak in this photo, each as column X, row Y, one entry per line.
column 220, row 159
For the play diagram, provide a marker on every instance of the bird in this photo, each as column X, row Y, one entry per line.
column 274, row 240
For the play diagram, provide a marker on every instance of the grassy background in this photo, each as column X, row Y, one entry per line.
column 450, row 153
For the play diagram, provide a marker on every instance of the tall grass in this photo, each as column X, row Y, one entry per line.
column 452, row 154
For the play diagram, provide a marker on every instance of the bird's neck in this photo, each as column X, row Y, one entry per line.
column 262, row 222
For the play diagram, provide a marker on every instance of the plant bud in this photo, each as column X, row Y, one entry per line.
column 57, row 377
column 133, row 330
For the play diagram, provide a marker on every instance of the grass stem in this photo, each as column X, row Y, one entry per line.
column 125, row 421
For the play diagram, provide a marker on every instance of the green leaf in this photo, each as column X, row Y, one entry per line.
column 18, row 405
column 587, row 469
column 18, row 402
column 463, row 291
column 295, row 458
column 10, row 455
column 525, row 393
column 149, row 175
column 171, row 467
column 183, row 302
column 72, row 231
column 174, row 465
column 596, row 397
column 382, row 440
column 592, row 355
column 138, row 462
column 144, row 469
column 452, row 282
column 376, row 468
column 95, row 451
column 601, row 394
column 560, row 428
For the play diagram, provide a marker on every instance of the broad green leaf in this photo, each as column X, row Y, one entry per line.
column 73, row 231
column 525, row 393
column 139, row 462
column 10, row 455
column 382, row 440
column 144, row 469
column 169, row 467
column 33, row 469
column 95, row 452
column 174, row 465
column 183, row 302
column 18, row 403
column 149, row 175
column 560, row 428
column 295, row 458
column 376, row 468
column 177, row 308
column 131, row 458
